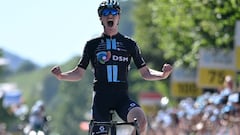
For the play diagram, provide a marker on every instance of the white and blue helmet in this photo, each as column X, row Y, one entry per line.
column 108, row 4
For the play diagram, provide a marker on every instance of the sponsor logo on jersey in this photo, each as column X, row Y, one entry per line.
column 119, row 58
column 131, row 105
column 103, row 56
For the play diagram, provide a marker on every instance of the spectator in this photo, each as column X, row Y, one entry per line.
column 228, row 86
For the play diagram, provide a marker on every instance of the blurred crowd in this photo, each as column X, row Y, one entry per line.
column 212, row 113
column 33, row 121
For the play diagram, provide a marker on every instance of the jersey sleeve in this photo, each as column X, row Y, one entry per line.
column 84, row 61
column 137, row 58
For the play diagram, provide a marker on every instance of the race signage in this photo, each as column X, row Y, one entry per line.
column 11, row 98
column 150, row 102
column 213, row 66
column 237, row 50
column 183, row 83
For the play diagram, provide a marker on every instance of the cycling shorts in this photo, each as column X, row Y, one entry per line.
column 104, row 101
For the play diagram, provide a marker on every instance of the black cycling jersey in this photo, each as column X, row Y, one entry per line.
column 110, row 58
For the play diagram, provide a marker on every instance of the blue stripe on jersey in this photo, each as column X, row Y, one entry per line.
column 114, row 44
column 109, row 73
column 111, row 44
column 108, row 43
column 115, row 73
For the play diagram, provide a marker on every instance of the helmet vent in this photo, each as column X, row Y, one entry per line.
column 108, row 4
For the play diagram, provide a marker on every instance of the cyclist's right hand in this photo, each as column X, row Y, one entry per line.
column 56, row 70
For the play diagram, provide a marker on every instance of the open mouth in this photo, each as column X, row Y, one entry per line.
column 110, row 23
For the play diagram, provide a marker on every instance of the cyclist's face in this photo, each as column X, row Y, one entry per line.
column 110, row 17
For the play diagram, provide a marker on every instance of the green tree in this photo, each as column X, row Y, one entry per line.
column 149, row 46
column 126, row 25
column 176, row 29
column 6, row 114
column 1, row 67
column 50, row 88
column 71, row 102
column 173, row 31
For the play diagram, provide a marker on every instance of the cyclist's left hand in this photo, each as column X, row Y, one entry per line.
column 167, row 69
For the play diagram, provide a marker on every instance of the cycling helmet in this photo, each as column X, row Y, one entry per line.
column 108, row 4
column 39, row 103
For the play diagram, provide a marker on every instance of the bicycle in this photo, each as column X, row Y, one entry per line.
column 113, row 124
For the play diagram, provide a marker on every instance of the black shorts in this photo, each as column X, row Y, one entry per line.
column 104, row 101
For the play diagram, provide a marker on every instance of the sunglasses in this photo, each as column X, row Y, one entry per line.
column 109, row 11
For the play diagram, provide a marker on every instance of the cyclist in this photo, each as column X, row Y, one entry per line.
column 37, row 115
column 110, row 55
column 37, row 119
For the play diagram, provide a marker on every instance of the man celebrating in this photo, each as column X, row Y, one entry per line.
column 110, row 55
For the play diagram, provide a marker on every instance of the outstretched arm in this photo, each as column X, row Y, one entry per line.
column 72, row 75
column 151, row 74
